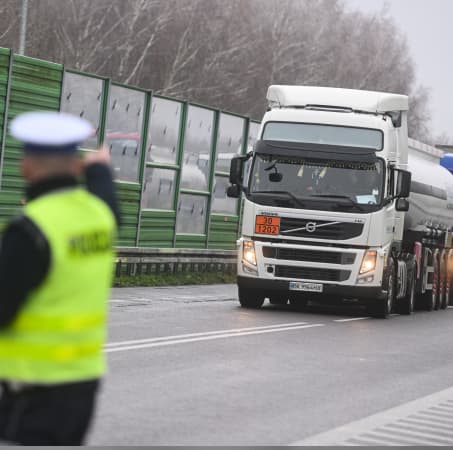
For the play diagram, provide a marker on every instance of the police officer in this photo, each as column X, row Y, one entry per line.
column 56, row 265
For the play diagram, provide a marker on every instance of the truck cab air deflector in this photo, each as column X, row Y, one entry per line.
column 315, row 151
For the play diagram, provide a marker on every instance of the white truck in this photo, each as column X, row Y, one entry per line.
column 330, row 211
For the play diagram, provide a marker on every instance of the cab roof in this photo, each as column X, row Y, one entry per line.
column 280, row 96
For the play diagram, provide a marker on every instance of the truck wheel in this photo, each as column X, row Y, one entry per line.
column 407, row 304
column 250, row 298
column 382, row 308
column 446, row 300
column 432, row 301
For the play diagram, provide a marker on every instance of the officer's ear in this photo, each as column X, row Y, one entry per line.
column 78, row 165
column 26, row 168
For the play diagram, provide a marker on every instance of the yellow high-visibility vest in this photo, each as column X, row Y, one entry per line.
column 59, row 333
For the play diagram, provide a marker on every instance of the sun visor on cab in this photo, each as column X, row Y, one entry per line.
column 315, row 151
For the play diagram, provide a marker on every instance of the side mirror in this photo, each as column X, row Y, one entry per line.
column 402, row 205
column 236, row 169
column 403, row 185
column 234, row 191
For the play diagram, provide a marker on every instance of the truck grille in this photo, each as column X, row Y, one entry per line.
column 319, row 229
column 309, row 273
column 291, row 254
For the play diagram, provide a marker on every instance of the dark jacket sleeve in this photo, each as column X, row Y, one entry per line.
column 24, row 264
column 99, row 181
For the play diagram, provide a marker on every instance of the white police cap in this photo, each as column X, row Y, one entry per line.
column 49, row 131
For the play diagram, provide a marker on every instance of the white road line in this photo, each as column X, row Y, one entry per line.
column 174, row 340
column 389, row 425
column 351, row 320
column 123, row 301
column 204, row 333
column 130, row 301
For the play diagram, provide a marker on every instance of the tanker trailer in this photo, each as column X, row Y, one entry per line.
column 427, row 254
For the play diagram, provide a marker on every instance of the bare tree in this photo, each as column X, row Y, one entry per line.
column 225, row 53
column 9, row 23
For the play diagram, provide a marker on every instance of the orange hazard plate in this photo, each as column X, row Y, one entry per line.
column 267, row 225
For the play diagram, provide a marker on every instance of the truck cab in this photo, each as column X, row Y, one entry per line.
column 324, row 198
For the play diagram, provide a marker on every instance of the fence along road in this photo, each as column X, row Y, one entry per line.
column 170, row 157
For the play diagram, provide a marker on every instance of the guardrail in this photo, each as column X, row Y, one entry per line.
column 139, row 261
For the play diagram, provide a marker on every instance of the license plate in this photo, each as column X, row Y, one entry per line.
column 267, row 225
column 306, row 287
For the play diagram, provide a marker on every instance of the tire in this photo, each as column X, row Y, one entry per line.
column 382, row 308
column 279, row 299
column 406, row 305
column 448, row 292
column 431, row 299
column 444, row 287
column 251, row 298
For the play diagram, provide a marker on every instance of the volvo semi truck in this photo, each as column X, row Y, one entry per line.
column 340, row 204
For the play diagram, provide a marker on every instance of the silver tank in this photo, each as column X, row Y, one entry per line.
column 431, row 199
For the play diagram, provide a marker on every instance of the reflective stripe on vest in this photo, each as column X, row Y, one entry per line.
column 59, row 333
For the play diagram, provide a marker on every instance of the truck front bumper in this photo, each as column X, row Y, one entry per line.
column 329, row 290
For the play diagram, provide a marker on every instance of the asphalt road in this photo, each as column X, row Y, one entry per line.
column 188, row 366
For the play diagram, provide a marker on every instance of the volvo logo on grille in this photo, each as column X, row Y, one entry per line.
column 311, row 227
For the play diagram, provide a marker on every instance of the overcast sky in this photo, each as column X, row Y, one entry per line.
column 428, row 25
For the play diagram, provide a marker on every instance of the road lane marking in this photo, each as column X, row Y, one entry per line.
column 203, row 333
column 196, row 337
column 351, row 320
column 420, row 422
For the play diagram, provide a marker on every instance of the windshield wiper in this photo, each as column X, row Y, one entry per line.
column 288, row 194
column 342, row 197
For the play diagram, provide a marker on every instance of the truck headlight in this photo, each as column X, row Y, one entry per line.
column 248, row 252
column 368, row 262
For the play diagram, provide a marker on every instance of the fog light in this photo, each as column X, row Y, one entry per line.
column 369, row 262
column 249, row 270
column 366, row 280
column 248, row 252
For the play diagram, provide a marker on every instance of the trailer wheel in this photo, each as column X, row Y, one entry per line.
column 448, row 294
column 432, row 299
column 444, row 285
column 250, row 298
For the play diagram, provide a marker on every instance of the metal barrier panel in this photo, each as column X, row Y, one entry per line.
column 4, row 77
column 140, row 261
column 33, row 84
column 161, row 174
column 9, row 201
column 253, row 131
column 254, row 128
column 164, row 131
column 124, row 124
column 83, row 96
column 224, row 220
column 170, row 158
column 194, row 193
column 124, row 136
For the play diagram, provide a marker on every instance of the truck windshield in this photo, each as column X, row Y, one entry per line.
column 323, row 134
column 317, row 184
